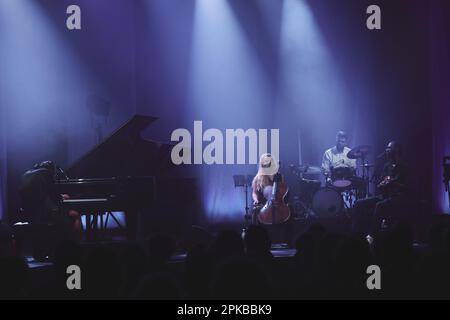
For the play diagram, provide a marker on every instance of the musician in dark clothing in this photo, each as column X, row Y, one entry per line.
column 389, row 204
column 40, row 200
column 37, row 196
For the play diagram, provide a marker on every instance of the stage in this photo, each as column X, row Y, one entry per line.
column 220, row 149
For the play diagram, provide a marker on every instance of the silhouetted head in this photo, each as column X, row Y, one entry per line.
column 6, row 241
column 48, row 165
column 228, row 244
column 133, row 264
column 103, row 277
column 13, row 278
column 160, row 248
column 398, row 245
column 198, row 260
column 158, row 286
column 436, row 236
column 305, row 246
column 317, row 230
column 241, row 278
column 133, row 258
column 198, row 270
column 350, row 261
column 257, row 241
column 67, row 253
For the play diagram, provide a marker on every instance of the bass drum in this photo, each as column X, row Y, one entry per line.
column 327, row 203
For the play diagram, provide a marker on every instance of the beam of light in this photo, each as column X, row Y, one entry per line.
column 227, row 89
column 44, row 82
column 225, row 75
column 43, row 87
column 162, row 52
column 309, row 81
column 37, row 61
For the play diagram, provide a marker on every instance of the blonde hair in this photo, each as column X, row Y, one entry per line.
column 261, row 179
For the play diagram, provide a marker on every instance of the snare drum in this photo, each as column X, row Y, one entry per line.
column 327, row 203
column 342, row 177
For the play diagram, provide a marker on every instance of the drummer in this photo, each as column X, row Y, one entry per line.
column 336, row 157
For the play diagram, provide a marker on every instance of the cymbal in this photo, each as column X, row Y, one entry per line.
column 359, row 152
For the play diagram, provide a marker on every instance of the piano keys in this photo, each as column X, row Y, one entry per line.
column 108, row 194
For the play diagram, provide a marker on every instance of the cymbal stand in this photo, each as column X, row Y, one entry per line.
column 365, row 174
column 300, row 204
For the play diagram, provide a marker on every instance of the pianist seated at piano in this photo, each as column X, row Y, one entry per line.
column 40, row 200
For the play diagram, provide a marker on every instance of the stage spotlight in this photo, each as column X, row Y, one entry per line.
column 222, row 61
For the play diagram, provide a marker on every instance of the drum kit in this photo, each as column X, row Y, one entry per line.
column 338, row 194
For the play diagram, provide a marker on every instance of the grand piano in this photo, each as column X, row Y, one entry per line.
column 123, row 173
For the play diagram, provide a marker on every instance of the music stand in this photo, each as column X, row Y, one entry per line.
column 245, row 182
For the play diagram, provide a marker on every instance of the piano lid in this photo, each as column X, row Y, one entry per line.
column 124, row 153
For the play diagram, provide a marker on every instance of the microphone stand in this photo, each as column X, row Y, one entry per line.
column 365, row 174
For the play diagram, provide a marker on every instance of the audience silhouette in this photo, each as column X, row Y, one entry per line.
column 326, row 265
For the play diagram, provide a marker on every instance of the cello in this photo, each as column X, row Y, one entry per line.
column 276, row 211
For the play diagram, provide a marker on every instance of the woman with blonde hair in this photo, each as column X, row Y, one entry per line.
column 263, row 181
